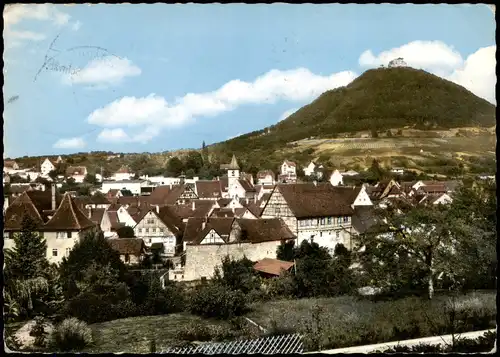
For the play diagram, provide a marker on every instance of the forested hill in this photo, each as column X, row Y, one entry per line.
column 379, row 99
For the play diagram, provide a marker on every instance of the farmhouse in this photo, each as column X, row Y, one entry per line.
column 319, row 213
column 77, row 173
column 131, row 250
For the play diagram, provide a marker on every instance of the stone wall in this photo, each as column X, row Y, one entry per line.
column 201, row 260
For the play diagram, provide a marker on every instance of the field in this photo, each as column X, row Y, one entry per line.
column 132, row 335
column 346, row 321
column 415, row 150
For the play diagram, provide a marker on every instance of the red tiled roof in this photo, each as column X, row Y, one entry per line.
column 309, row 200
column 113, row 219
column 272, row 266
column 265, row 230
column 193, row 229
column 68, row 217
column 76, row 170
column 208, row 189
column 14, row 214
column 182, row 211
column 132, row 246
column 220, row 225
column 203, row 208
column 96, row 215
column 290, row 163
column 123, row 170
column 247, row 186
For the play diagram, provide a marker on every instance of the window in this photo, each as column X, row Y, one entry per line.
column 323, row 221
column 6, row 235
column 346, row 219
column 61, row 235
column 69, row 234
column 338, row 234
column 321, row 234
column 147, row 230
column 150, row 221
column 54, row 252
column 162, row 230
column 329, row 220
column 154, row 230
column 68, row 250
column 127, row 258
column 139, row 230
column 149, row 240
column 339, row 220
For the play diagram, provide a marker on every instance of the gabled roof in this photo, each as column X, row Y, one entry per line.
column 68, row 217
column 182, row 211
column 222, row 226
column 262, row 174
column 223, row 202
column 272, row 266
column 171, row 220
column 113, row 219
column 203, row 208
column 132, row 246
column 21, row 206
column 123, row 170
column 97, row 214
column 247, row 186
column 208, row 189
column 309, row 200
column 193, row 229
column 264, row 230
column 76, row 170
column 290, row 163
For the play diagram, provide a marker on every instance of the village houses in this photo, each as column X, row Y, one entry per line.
column 288, row 172
column 48, row 165
column 57, row 218
column 77, row 173
column 319, row 213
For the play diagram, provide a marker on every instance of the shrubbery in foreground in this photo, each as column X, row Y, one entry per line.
column 70, row 335
column 218, row 301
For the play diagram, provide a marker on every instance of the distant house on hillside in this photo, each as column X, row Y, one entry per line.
column 122, row 174
column 77, row 173
column 336, row 178
column 9, row 166
column 288, row 172
column 265, row 177
column 398, row 170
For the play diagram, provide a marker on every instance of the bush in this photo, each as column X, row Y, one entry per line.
column 202, row 333
column 38, row 331
column 283, row 286
column 71, row 335
column 93, row 308
column 215, row 300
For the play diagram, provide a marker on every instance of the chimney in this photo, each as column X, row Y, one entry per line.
column 246, row 200
column 157, row 209
column 53, row 186
column 203, row 224
column 6, row 203
column 193, row 206
column 90, row 212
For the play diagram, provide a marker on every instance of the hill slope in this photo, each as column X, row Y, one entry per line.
column 379, row 99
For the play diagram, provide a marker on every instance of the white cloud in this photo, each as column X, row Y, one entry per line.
column 71, row 143
column 154, row 113
column 477, row 73
column 113, row 135
column 104, row 71
column 15, row 14
column 76, row 26
column 287, row 113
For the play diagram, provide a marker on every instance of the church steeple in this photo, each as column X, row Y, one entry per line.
column 234, row 164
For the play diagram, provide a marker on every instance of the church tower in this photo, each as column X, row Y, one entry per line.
column 233, row 175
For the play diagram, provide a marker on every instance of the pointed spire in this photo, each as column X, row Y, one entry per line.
column 234, row 164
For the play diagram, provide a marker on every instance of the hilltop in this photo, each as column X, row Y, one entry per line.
column 380, row 99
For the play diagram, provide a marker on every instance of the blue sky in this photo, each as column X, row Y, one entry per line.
column 148, row 78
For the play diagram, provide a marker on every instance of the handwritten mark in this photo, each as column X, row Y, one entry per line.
column 12, row 99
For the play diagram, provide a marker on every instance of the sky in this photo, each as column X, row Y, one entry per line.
column 158, row 77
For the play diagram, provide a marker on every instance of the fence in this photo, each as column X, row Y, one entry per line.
column 282, row 344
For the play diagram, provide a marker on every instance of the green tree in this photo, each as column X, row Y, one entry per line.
column 204, row 154
column 285, row 251
column 237, row 274
column 92, row 249
column 374, row 133
column 193, row 161
column 174, row 167
column 26, row 268
column 90, row 179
